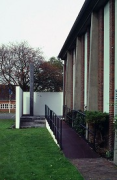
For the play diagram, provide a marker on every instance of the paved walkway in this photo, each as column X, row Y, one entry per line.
column 90, row 164
column 7, row 115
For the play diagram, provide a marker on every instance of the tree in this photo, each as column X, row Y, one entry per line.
column 50, row 76
column 15, row 60
column 56, row 63
column 14, row 64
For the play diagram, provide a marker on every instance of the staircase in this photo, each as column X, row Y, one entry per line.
column 27, row 121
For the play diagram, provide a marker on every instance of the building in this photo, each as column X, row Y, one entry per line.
column 7, row 99
column 90, row 60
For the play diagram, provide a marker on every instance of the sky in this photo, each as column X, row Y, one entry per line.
column 43, row 24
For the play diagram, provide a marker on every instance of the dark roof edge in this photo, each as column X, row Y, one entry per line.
column 72, row 35
column 74, row 25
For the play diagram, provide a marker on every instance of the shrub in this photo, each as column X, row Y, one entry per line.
column 78, row 122
column 96, row 116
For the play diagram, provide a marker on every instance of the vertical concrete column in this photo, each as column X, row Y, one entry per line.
column 64, row 82
column 86, row 65
column 74, row 60
column 93, row 65
column 31, row 88
column 78, row 65
column 85, row 71
column 82, row 74
column 66, row 79
column 101, row 60
column 88, row 58
column 69, row 81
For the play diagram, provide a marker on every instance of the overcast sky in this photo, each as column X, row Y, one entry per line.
column 42, row 23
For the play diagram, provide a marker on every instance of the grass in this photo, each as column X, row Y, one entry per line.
column 31, row 154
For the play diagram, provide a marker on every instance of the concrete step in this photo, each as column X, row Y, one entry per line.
column 27, row 122
column 28, row 125
column 31, row 118
column 39, row 121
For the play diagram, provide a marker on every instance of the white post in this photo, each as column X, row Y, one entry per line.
column 9, row 104
column 18, row 106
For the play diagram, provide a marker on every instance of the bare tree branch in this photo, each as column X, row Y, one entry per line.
column 14, row 63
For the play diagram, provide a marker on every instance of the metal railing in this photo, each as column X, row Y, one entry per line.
column 76, row 120
column 55, row 124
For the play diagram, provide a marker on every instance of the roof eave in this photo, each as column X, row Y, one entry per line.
column 81, row 23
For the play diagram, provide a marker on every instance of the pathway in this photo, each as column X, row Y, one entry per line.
column 90, row 164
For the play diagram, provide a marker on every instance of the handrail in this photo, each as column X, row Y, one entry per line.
column 70, row 117
column 55, row 124
column 87, row 129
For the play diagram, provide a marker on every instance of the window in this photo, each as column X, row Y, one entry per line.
column 7, row 106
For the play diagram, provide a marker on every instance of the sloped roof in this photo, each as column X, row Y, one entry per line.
column 80, row 25
column 4, row 93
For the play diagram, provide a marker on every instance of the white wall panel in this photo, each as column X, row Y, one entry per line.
column 54, row 100
column 26, row 103
column 106, row 58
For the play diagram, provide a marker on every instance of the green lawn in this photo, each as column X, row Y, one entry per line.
column 31, row 154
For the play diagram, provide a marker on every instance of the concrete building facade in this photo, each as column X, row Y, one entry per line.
column 90, row 60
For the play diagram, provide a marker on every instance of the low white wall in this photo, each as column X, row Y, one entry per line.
column 18, row 106
column 51, row 133
column 52, row 99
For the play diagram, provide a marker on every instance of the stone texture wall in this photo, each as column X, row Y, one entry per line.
column 93, row 65
column 78, row 76
column 69, row 81
column 82, row 73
